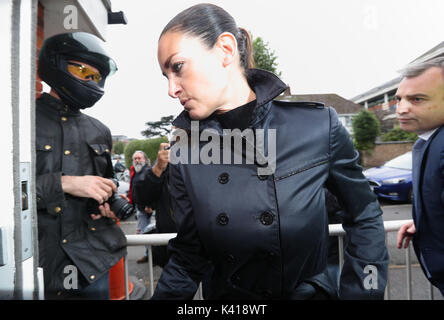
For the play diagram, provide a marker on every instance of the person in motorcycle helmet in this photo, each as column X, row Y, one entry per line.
column 75, row 65
column 77, row 245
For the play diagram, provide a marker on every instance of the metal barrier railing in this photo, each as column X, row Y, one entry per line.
column 161, row 239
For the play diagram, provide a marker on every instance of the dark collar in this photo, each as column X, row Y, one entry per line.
column 56, row 104
column 266, row 85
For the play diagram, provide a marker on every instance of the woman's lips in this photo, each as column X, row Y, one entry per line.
column 184, row 102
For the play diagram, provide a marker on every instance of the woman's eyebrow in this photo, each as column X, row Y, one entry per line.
column 166, row 65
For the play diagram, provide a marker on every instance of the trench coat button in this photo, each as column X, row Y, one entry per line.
column 47, row 147
column 64, row 119
column 231, row 259
column 57, row 209
column 67, row 152
column 224, row 178
column 266, row 218
column 222, row 219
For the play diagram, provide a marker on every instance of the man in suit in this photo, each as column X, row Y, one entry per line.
column 421, row 109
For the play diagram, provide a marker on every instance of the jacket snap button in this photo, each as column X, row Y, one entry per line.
column 223, row 219
column 266, row 218
column 224, row 178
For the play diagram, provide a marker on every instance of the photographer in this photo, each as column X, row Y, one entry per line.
column 151, row 189
column 79, row 240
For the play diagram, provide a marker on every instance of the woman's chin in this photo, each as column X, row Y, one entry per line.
column 195, row 115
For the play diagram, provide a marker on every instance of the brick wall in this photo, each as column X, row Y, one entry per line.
column 40, row 38
column 385, row 151
column 380, row 106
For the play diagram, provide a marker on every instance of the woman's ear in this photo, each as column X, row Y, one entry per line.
column 227, row 45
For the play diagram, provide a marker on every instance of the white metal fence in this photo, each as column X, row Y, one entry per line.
column 334, row 230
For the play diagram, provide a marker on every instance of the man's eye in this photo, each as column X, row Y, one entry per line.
column 177, row 67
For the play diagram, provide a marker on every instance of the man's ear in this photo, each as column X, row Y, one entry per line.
column 227, row 45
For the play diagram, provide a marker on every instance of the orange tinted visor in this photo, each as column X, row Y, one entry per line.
column 84, row 72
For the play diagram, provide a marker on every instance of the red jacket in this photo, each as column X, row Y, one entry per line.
column 130, row 197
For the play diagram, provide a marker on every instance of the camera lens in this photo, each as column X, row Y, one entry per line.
column 122, row 208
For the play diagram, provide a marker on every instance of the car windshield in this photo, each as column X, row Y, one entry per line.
column 403, row 161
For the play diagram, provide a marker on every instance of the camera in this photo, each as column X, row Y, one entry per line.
column 121, row 208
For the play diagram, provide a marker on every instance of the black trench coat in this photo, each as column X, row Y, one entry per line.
column 267, row 235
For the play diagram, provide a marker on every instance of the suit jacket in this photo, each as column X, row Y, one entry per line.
column 428, row 205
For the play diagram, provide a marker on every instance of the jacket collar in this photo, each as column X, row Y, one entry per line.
column 266, row 85
column 57, row 105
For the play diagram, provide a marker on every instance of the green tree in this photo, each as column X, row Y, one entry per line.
column 264, row 57
column 397, row 134
column 158, row 128
column 149, row 146
column 366, row 128
column 118, row 147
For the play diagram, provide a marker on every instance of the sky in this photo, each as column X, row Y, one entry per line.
column 343, row 46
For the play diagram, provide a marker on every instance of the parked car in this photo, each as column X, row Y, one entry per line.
column 393, row 180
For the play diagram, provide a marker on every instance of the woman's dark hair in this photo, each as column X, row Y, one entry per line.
column 208, row 22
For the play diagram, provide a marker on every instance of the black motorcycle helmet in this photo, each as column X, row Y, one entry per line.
column 53, row 67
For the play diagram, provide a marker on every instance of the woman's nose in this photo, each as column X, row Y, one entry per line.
column 173, row 89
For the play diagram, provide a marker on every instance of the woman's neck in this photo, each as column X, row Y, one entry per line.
column 239, row 93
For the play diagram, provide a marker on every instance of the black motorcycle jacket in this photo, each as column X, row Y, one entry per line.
column 73, row 144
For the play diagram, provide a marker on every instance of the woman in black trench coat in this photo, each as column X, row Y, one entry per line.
column 262, row 221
